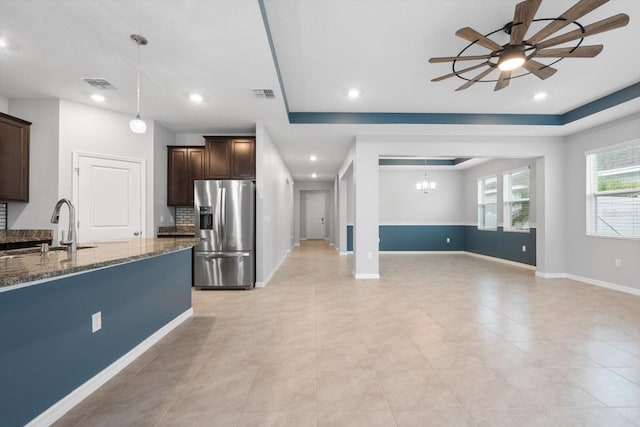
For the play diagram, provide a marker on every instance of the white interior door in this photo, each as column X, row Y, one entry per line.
column 316, row 211
column 110, row 197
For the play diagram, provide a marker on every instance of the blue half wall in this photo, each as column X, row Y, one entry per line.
column 433, row 238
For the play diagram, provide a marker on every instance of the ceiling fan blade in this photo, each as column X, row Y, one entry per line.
column 473, row 36
column 503, row 81
column 446, row 76
column 570, row 52
column 540, row 70
column 524, row 14
column 577, row 11
column 611, row 23
column 475, row 79
column 458, row 58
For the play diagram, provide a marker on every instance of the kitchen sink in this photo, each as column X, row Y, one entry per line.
column 64, row 248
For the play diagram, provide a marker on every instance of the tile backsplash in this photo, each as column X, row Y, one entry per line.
column 3, row 216
column 184, row 216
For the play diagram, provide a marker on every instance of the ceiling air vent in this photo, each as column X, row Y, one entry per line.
column 263, row 93
column 100, row 84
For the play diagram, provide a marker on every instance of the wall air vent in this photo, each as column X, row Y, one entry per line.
column 263, row 93
column 100, row 84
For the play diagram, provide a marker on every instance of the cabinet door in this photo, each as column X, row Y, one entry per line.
column 218, row 158
column 196, row 169
column 177, row 177
column 14, row 159
column 185, row 165
column 243, row 161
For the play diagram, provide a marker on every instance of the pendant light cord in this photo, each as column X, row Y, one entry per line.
column 138, row 92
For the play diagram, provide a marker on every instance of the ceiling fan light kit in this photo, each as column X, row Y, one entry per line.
column 520, row 51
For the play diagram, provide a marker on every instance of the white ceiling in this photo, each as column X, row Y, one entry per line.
column 220, row 48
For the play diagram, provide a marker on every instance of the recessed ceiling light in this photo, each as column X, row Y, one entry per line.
column 97, row 97
column 540, row 96
column 313, row 158
column 196, row 97
column 353, row 93
column 3, row 43
column 314, row 175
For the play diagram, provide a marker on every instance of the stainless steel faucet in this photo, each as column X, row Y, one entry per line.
column 71, row 243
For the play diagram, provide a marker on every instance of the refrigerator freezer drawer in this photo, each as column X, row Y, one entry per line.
column 223, row 270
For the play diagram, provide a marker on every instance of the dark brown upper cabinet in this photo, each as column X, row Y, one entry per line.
column 185, row 165
column 14, row 159
column 230, row 157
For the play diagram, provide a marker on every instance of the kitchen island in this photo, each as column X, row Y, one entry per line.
column 68, row 324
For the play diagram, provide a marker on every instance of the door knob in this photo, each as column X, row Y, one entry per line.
column 136, row 233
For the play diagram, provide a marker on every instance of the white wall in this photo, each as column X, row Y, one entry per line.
column 401, row 203
column 4, row 105
column 274, row 207
column 496, row 167
column 94, row 130
column 301, row 189
column 594, row 257
column 44, row 114
column 163, row 214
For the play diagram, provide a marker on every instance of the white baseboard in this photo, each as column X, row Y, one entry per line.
column 296, row 244
column 367, row 276
column 551, row 275
column 422, row 252
column 57, row 410
column 343, row 253
column 590, row 281
column 502, row 261
column 266, row 281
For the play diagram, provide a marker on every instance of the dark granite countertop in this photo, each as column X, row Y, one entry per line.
column 18, row 266
column 24, row 236
column 179, row 230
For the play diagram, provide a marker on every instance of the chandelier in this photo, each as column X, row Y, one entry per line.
column 425, row 185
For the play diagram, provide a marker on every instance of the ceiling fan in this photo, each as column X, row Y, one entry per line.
column 520, row 51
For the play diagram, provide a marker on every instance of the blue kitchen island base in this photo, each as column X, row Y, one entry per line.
column 48, row 350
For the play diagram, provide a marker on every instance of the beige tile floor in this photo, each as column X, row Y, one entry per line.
column 439, row 340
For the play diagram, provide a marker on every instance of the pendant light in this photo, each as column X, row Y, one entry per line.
column 137, row 125
column 425, row 186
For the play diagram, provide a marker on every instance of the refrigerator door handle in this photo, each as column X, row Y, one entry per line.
column 223, row 255
column 223, row 215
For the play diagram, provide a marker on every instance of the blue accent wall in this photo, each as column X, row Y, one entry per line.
column 497, row 244
column 421, row 238
column 501, row 244
column 47, row 349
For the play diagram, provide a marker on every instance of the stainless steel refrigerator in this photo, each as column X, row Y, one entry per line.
column 224, row 216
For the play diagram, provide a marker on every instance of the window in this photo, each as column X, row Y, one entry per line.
column 516, row 200
column 488, row 203
column 613, row 192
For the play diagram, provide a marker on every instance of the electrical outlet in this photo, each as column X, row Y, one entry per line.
column 370, row 255
column 161, row 219
column 96, row 322
column 618, row 262
column 448, row 239
column 524, row 248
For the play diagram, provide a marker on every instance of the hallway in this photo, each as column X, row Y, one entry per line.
column 442, row 340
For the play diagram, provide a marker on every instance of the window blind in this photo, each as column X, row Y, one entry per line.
column 613, row 192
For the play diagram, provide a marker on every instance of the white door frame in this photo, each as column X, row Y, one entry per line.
column 143, row 182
